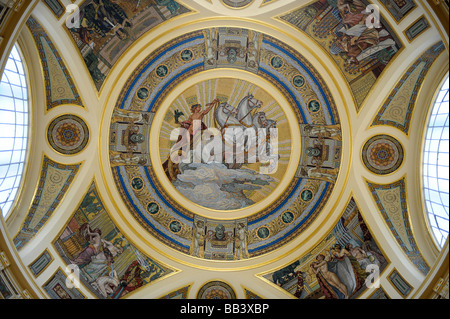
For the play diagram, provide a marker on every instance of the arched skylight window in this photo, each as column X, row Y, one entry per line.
column 436, row 166
column 13, row 128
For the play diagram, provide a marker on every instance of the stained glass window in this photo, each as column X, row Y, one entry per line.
column 13, row 128
column 436, row 166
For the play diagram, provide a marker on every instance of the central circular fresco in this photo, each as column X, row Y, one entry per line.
column 225, row 144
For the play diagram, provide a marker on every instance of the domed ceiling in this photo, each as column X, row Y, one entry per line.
column 227, row 149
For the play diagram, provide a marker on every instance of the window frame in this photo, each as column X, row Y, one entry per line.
column 430, row 139
column 21, row 107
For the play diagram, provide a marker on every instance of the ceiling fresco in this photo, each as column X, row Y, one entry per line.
column 107, row 28
column 267, row 192
column 361, row 44
column 255, row 108
column 183, row 153
column 109, row 265
column 325, row 271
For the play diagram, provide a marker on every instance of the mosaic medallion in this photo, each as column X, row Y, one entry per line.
column 225, row 167
column 237, row 4
column 382, row 154
column 216, row 290
column 68, row 134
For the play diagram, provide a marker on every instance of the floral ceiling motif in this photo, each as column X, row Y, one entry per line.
column 382, row 154
column 68, row 134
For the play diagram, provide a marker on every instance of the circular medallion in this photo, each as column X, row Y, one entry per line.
column 287, row 217
column 218, row 150
column 162, row 71
column 298, row 81
column 186, row 55
column 237, row 4
column 216, row 290
column 153, row 208
column 276, row 62
column 314, row 106
column 263, row 232
column 137, row 183
column 382, row 154
column 68, row 134
column 175, row 226
column 306, row 195
column 142, row 93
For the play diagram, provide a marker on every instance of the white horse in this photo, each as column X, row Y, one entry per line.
column 258, row 142
column 227, row 115
column 245, row 132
